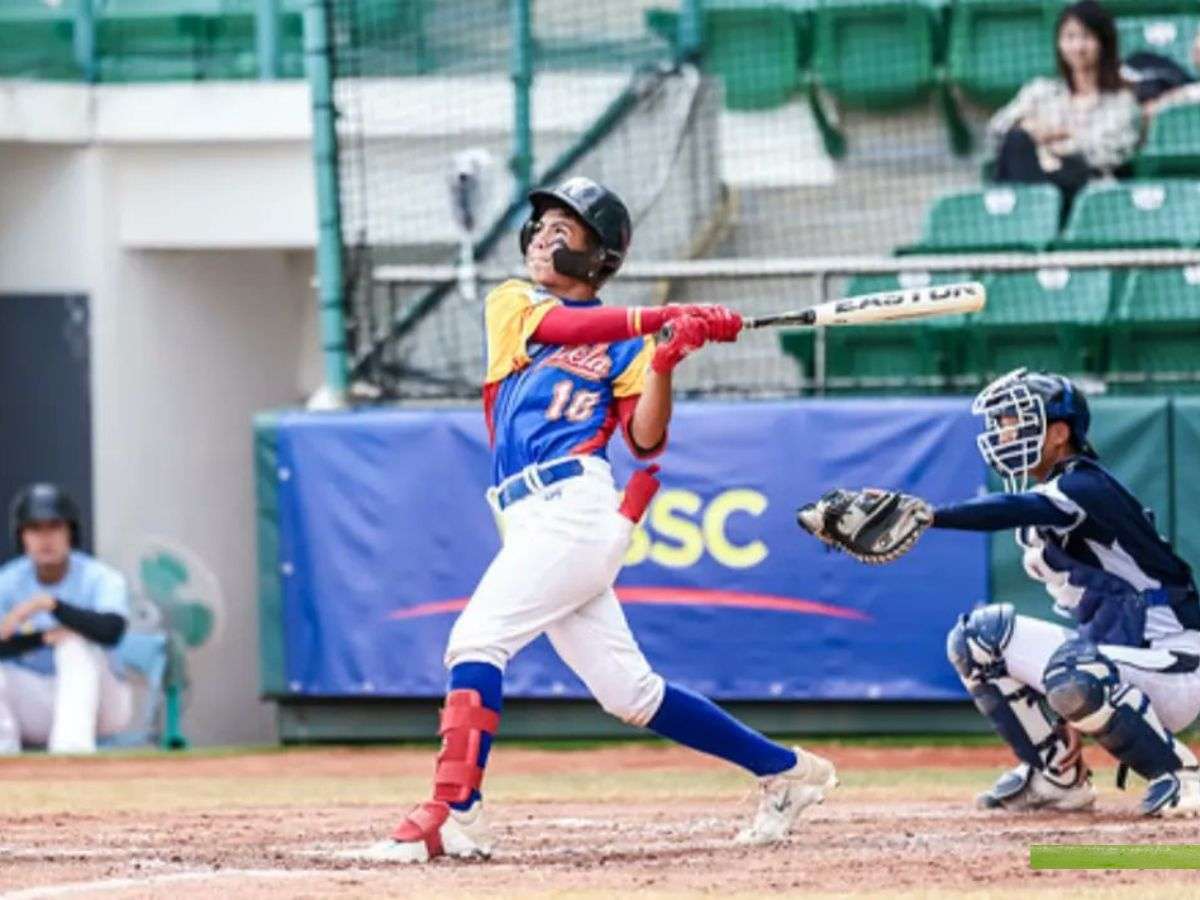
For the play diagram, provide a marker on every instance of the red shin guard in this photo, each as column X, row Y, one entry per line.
column 464, row 722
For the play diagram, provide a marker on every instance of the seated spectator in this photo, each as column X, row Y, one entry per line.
column 59, row 610
column 1159, row 81
column 1079, row 126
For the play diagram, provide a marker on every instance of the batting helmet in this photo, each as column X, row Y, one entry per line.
column 43, row 503
column 601, row 211
column 1017, row 408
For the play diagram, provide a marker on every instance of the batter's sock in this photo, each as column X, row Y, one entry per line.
column 488, row 681
column 697, row 722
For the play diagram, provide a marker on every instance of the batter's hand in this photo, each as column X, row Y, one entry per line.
column 685, row 335
column 724, row 324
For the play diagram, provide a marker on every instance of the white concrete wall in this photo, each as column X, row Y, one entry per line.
column 187, row 343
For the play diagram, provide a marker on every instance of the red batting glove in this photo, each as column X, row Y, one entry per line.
column 724, row 324
column 687, row 334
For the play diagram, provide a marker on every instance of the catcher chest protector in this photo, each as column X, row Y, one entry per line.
column 43, row 503
column 605, row 216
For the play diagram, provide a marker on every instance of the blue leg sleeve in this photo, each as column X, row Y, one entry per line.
column 695, row 721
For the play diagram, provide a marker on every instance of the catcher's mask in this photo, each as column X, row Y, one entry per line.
column 605, row 217
column 1017, row 408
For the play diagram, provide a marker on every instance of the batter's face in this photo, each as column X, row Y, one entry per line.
column 47, row 543
column 557, row 228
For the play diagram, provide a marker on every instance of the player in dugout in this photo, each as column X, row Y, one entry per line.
column 563, row 374
column 61, row 613
column 1127, row 674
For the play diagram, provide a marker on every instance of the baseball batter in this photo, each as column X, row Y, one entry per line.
column 60, row 611
column 563, row 373
column 1128, row 673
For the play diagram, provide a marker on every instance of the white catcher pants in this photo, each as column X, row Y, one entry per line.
column 1175, row 697
column 63, row 712
column 563, row 547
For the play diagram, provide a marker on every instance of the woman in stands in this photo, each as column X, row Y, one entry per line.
column 1082, row 125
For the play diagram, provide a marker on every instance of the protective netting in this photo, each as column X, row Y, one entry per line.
column 809, row 132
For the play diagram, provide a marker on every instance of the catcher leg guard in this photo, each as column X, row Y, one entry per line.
column 1051, row 770
column 1084, row 687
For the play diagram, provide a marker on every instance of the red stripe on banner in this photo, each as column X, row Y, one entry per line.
column 669, row 596
column 672, row 596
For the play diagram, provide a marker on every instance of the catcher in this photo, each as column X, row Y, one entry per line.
column 1127, row 674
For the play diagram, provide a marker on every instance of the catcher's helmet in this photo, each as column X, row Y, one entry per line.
column 601, row 211
column 1017, row 408
column 43, row 503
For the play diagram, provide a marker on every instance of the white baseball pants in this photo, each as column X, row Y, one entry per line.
column 63, row 712
column 1175, row 697
column 563, row 547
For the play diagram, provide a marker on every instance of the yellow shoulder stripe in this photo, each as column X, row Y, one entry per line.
column 512, row 313
column 632, row 381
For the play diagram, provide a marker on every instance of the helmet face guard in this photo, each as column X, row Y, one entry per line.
column 1014, row 428
column 601, row 212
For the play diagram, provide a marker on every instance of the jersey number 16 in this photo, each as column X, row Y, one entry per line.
column 573, row 405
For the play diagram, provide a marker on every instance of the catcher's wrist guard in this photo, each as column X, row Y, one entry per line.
column 874, row 526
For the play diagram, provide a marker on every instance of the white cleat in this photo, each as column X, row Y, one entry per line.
column 1174, row 794
column 1025, row 788
column 432, row 829
column 785, row 795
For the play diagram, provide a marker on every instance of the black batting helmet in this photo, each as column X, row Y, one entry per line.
column 601, row 211
column 43, row 502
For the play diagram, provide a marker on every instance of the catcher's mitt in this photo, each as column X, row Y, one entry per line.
column 872, row 525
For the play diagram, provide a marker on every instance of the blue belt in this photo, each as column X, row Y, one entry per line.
column 533, row 478
column 1167, row 596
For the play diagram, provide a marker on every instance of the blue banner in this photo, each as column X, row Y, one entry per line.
column 384, row 533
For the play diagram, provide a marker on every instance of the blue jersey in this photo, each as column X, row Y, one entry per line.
column 547, row 401
column 1097, row 550
column 88, row 584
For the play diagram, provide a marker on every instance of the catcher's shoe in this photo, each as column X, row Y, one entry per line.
column 784, row 795
column 1026, row 788
column 433, row 829
column 1174, row 794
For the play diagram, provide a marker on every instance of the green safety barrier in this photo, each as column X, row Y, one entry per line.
column 273, row 676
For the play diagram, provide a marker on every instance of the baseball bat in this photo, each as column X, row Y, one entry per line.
column 886, row 306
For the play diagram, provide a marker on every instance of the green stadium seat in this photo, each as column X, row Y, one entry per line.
column 996, row 46
column 1155, row 338
column 1052, row 319
column 754, row 48
column 1134, row 214
column 1008, row 217
column 153, row 40
column 875, row 54
column 904, row 358
column 37, row 40
column 1173, row 145
column 1122, row 8
column 1167, row 35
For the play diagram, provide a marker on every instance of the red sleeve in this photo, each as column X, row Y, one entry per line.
column 625, row 407
column 597, row 324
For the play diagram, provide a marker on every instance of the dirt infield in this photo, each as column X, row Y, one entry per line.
column 601, row 822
